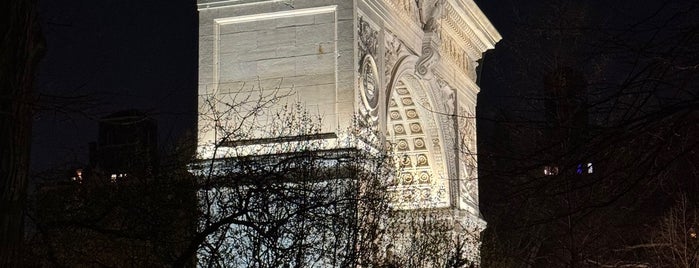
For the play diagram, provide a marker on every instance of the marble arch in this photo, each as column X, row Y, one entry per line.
column 346, row 60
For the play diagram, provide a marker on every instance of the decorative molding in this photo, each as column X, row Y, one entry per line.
column 277, row 15
column 213, row 4
column 463, row 31
column 476, row 22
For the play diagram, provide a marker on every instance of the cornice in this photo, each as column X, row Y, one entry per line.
column 475, row 25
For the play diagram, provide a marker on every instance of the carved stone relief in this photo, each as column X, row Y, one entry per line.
column 469, row 169
column 431, row 12
column 407, row 8
column 413, row 131
column 430, row 56
column 369, row 90
column 447, row 95
column 368, row 39
column 369, row 84
column 394, row 50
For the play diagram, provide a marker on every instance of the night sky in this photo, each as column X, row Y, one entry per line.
column 111, row 55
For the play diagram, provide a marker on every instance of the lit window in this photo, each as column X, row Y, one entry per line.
column 114, row 177
column 590, row 169
column 550, row 170
column 78, row 175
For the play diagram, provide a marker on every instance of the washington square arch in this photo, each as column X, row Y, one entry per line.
column 405, row 69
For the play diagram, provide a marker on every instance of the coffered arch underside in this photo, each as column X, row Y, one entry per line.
column 419, row 135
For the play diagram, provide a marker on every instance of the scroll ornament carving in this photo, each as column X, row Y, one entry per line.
column 431, row 12
column 429, row 57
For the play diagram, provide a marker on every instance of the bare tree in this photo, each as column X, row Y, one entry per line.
column 593, row 134
column 274, row 191
column 290, row 200
column 20, row 52
column 673, row 240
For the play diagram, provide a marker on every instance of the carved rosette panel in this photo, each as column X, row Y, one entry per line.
column 369, row 83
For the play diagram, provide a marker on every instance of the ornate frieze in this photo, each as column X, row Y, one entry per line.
column 454, row 53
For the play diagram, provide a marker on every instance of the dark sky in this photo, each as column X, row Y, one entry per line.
column 109, row 55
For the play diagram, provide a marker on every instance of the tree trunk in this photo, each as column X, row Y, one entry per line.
column 20, row 51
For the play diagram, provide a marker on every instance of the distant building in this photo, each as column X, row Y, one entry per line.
column 127, row 142
column 566, row 121
column 73, row 205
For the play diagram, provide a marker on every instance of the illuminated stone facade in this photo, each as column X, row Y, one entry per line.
column 403, row 68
